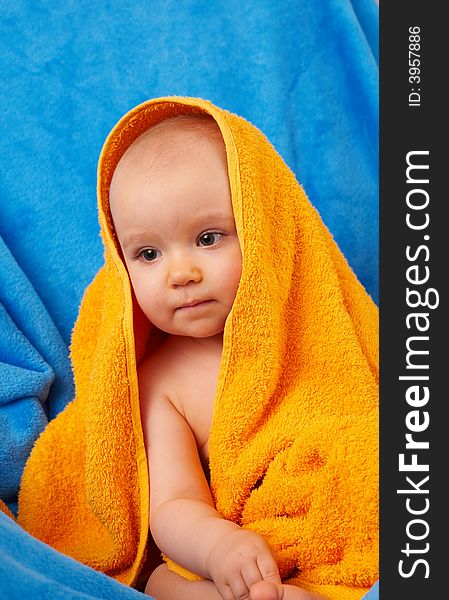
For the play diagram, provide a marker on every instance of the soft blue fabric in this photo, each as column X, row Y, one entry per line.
column 32, row 570
column 304, row 71
column 35, row 376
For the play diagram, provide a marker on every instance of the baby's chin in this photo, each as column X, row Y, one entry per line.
column 200, row 332
column 200, row 335
column 198, row 328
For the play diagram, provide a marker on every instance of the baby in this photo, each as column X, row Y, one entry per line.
column 171, row 207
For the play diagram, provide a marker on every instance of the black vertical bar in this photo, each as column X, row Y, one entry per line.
column 413, row 124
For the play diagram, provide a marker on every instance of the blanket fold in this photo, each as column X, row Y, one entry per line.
column 35, row 374
column 293, row 443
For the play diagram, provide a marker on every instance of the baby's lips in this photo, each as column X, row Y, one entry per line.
column 194, row 303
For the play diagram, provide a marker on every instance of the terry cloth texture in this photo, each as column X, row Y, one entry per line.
column 293, row 443
column 33, row 570
column 35, row 375
column 307, row 75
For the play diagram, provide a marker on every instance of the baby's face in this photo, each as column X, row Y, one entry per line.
column 173, row 217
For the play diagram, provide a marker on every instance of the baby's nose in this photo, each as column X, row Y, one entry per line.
column 183, row 272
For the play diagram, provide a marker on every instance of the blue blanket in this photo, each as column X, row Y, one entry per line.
column 306, row 74
column 30, row 569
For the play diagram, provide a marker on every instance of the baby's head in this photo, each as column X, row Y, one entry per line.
column 171, row 206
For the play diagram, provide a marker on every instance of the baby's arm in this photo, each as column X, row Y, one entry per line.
column 183, row 520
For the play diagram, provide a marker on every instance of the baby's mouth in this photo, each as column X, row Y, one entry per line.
column 194, row 305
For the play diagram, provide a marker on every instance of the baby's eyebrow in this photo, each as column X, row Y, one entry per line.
column 208, row 219
column 134, row 238
column 212, row 218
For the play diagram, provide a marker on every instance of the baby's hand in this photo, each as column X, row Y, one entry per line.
column 238, row 560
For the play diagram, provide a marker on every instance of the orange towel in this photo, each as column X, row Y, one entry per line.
column 293, row 443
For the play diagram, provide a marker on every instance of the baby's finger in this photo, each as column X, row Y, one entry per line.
column 225, row 591
column 268, row 567
column 251, row 573
column 239, row 588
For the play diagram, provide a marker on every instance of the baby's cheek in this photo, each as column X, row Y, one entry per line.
column 147, row 299
column 231, row 278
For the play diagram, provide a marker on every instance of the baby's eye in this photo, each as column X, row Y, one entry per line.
column 148, row 254
column 209, row 238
